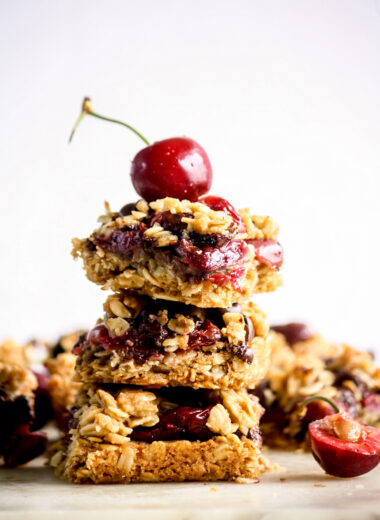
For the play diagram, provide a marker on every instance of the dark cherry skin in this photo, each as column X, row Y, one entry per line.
column 43, row 410
column 220, row 204
column 293, row 332
column 342, row 458
column 24, row 446
column 177, row 167
column 317, row 410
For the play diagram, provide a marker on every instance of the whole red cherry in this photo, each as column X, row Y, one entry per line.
column 177, row 167
column 343, row 446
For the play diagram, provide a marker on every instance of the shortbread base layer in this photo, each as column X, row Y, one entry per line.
column 220, row 458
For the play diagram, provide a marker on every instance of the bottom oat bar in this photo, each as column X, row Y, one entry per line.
column 305, row 364
column 125, row 434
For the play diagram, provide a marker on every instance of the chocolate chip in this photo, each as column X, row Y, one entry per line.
column 249, row 329
column 243, row 352
column 127, row 209
column 294, row 332
column 216, row 314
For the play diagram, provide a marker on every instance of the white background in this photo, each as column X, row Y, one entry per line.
column 283, row 95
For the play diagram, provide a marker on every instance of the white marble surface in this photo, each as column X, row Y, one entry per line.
column 299, row 491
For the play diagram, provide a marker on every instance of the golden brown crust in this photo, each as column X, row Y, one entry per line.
column 220, row 458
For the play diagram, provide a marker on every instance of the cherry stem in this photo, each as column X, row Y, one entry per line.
column 87, row 109
column 321, row 398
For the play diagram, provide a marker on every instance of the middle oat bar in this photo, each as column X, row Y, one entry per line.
column 157, row 342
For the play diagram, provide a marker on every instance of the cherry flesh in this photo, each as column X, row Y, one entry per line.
column 177, row 167
column 340, row 457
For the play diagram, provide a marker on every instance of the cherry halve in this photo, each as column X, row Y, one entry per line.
column 342, row 446
column 177, row 167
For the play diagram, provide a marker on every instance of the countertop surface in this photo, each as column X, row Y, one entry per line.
column 299, row 489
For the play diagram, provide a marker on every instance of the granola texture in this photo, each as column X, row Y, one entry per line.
column 110, row 412
column 228, row 361
column 220, row 458
column 156, row 271
column 101, row 451
column 27, row 355
column 61, row 387
column 310, row 367
column 16, row 380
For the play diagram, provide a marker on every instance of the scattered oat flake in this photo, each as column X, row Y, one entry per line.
column 214, row 489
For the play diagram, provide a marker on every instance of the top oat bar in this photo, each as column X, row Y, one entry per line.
column 184, row 251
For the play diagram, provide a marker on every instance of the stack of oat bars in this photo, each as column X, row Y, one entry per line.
column 165, row 373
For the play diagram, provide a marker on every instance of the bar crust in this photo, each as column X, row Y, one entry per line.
column 220, row 458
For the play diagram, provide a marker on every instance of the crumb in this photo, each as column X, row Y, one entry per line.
column 319, row 485
column 214, row 489
column 282, row 479
column 242, row 480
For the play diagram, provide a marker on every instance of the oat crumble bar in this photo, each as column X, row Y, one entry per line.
column 124, row 434
column 183, row 251
column 305, row 364
column 61, row 387
column 156, row 342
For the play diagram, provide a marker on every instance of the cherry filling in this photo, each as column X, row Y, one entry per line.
column 209, row 259
column 214, row 257
column 268, row 252
column 145, row 336
column 185, row 422
column 134, row 343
